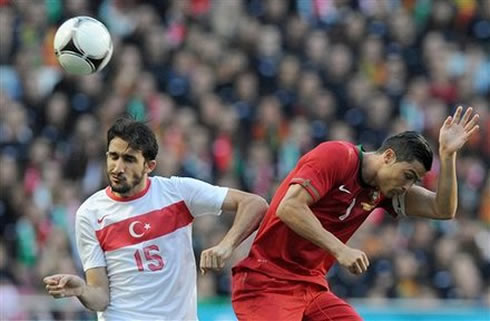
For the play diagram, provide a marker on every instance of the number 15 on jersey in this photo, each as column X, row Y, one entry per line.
column 151, row 258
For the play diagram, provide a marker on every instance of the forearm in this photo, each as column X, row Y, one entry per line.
column 303, row 222
column 446, row 201
column 94, row 298
column 248, row 216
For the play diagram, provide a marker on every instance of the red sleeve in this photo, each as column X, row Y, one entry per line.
column 323, row 167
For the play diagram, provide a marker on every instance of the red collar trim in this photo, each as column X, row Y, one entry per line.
column 113, row 196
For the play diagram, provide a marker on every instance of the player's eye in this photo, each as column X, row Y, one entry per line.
column 113, row 156
column 129, row 159
column 409, row 176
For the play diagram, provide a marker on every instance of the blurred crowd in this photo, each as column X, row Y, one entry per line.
column 237, row 91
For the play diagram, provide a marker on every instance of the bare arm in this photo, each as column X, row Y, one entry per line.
column 443, row 205
column 93, row 294
column 295, row 212
column 250, row 210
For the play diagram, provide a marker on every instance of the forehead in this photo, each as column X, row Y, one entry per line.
column 120, row 146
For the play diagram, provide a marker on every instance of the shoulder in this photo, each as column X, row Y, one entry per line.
column 171, row 181
column 334, row 150
column 160, row 182
column 334, row 146
column 180, row 185
column 168, row 184
column 92, row 203
column 188, row 182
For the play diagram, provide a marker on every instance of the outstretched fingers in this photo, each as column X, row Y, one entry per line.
column 472, row 131
column 448, row 121
column 466, row 116
column 472, row 123
column 457, row 115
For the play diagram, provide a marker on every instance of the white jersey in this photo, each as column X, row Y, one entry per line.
column 145, row 243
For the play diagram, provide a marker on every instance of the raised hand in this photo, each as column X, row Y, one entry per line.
column 64, row 285
column 456, row 130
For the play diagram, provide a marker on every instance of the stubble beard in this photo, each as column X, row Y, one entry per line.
column 123, row 187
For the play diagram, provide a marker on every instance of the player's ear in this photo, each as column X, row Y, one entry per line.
column 150, row 166
column 389, row 156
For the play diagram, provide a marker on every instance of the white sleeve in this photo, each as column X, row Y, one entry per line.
column 88, row 246
column 201, row 198
column 398, row 202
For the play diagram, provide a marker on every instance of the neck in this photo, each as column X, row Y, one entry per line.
column 369, row 165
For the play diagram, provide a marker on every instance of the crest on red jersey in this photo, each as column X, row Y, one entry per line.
column 373, row 198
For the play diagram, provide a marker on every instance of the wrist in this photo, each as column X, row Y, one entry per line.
column 444, row 155
column 227, row 243
column 337, row 250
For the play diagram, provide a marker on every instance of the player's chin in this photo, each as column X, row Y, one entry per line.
column 120, row 187
column 384, row 191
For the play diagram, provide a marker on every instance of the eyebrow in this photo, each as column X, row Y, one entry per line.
column 121, row 155
column 414, row 173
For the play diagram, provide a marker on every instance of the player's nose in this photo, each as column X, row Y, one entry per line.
column 118, row 167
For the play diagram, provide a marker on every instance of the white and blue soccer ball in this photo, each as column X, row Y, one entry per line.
column 82, row 45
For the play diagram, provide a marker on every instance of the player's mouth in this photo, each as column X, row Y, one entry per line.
column 118, row 179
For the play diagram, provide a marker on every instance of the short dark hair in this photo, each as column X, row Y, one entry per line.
column 137, row 134
column 409, row 146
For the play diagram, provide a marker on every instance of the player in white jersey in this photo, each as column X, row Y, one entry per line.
column 134, row 237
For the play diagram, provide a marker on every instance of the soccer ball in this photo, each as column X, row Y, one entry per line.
column 82, row 45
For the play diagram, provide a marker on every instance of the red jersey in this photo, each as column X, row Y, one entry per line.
column 331, row 173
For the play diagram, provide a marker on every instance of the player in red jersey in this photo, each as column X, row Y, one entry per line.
column 322, row 202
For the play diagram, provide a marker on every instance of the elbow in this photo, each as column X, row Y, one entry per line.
column 444, row 211
column 262, row 205
column 282, row 213
column 288, row 216
column 452, row 214
column 105, row 304
column 102, row 305
column 449, row 215
column 446, row 214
